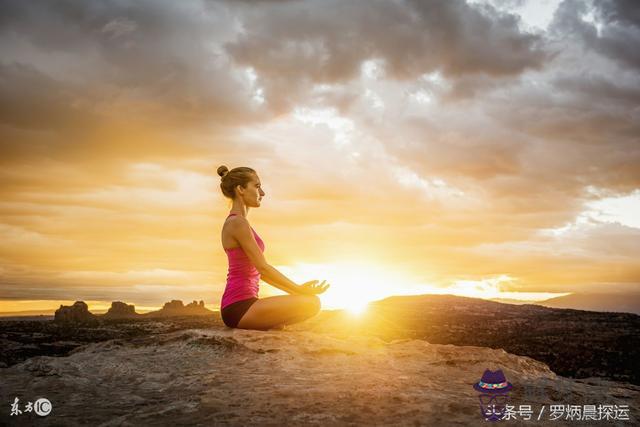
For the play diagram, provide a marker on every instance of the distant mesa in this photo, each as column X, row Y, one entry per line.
column 120, row 310
column 79, row 312
column 177, row 308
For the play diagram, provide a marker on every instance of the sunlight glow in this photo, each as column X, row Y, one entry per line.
column 434, row 188
column 623, row 210
column 354, row 285
column 357, row 308
column 491, row 288
column 154, row 184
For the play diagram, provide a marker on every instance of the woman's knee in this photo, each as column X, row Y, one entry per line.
column 314, row 304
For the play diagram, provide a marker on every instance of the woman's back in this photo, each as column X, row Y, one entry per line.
column 228, row 241
column 243, row 279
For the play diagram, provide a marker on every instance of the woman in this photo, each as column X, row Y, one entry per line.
column 240, row 306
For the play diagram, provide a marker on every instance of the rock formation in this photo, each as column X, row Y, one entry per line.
column 222, row 376
column 120, row 310
column 177, row 308
column 78, row 313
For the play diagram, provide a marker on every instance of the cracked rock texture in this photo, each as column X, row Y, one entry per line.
column 228, row 376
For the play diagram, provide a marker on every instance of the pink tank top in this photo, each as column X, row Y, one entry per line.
column 243, row 280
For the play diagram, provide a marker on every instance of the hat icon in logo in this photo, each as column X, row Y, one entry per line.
column 494, row 394
column 493, row 383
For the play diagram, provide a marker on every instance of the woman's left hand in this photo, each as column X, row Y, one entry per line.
column 313, row 288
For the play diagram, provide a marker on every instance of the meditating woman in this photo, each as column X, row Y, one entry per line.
column 240, row 306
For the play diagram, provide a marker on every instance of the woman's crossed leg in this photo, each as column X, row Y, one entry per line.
column 273, row 312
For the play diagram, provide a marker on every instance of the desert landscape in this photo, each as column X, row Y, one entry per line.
column 406, row 360
column 457, row 182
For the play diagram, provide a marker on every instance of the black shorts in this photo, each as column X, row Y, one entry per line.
column 232, row 313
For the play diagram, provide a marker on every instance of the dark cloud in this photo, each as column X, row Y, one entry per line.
column 609, row 27
column 169, row 60
column 29, row 99
column 624, row 12
column 294, row 45
column 580, row 129
column 596, row 88
column 620, row 34
column 148, row 61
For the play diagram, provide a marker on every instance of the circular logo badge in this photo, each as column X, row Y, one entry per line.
column 42, row 407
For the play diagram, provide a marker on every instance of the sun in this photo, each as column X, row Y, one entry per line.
column 353, row 285
column 357, row 308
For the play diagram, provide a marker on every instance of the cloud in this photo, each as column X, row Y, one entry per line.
column 441, row 138
column 119, row 27
column 159, row 62
column 611, row 27
column 293, row 45
column 32, row 100
column 620, row 32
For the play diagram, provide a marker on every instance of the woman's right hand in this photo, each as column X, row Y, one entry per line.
column 312, row 288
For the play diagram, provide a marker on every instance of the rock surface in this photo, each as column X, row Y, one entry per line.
column 228, row 376
column 573, row 343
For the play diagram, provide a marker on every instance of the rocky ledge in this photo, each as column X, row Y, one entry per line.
column 225, row 376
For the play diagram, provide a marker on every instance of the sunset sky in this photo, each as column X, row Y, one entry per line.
column 487, row 148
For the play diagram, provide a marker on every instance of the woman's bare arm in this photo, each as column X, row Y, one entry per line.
column 293, row 290
column 241, row 230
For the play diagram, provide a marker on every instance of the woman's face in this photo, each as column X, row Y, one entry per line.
column 253, row 194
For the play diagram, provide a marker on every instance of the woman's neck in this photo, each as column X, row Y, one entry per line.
column 239, row 208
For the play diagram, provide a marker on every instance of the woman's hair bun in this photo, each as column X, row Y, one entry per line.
column 223, row 170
